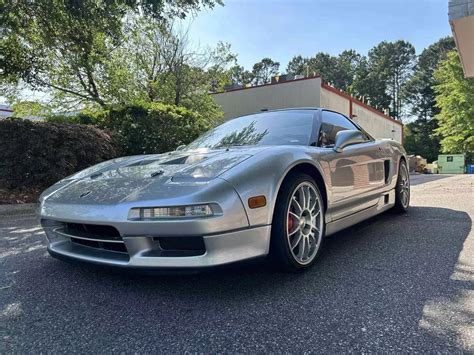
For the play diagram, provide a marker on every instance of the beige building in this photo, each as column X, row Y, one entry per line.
column 307, row 92
column 461, row 19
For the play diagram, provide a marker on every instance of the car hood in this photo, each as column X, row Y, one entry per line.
column 147, row 177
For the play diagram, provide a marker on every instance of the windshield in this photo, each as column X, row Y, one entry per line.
column 291, row 127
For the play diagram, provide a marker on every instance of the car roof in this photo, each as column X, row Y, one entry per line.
column 294, row 108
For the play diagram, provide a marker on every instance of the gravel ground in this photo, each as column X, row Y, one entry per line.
column 393, row 283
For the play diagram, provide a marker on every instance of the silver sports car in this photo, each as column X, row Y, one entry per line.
column 273, row 183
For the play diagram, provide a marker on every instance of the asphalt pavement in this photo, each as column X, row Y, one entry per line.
column 394, row 283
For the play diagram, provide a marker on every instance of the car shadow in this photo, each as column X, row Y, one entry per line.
column 382, row 277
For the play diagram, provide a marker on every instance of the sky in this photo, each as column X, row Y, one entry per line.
column 280, row 29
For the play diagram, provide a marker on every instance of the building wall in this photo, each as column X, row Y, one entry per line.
column 377, row 125
column 296, row 93
column 461, row 19
column 334, row 102
column 372, row 120
column 307, row 92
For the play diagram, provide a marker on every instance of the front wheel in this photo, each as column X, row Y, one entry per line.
column 402, row 190
column 298, row 224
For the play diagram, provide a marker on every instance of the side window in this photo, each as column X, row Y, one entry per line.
column 332, row 123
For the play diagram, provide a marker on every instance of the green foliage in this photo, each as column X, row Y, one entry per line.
column 378, row 78
column 419, row 90
column 80, row 118
column 420, row 139
column 74, row 50
column 392, row 64
column 339, row 71
column 238, row 75
column 455, row 99
column 263, row 71
column 370, row 86
column 153, row 127
column 25, row 109
column 419, row 94
column 40, row 154
column 146, row 127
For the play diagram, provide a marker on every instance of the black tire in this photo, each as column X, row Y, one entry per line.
column 403, row 186
column 282, row 256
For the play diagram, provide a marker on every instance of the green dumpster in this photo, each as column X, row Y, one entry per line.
column 451, row 164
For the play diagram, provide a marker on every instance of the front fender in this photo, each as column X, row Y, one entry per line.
column 263, row 174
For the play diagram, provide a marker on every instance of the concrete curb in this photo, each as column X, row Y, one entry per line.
column 19, row 209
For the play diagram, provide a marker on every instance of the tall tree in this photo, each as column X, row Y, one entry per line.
column 263, row 71
column 420, row 95
column 370, row 85
column 298, row 66
column 455, row 99
column 61, row 45
column 339, row 71
column 240, row 76
column 345, row 71
column 419, row 91
column 393, row 63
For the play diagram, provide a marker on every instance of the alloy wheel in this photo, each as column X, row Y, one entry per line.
column 404, row 186
column 304, row 223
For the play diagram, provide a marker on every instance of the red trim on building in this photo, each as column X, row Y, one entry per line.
column 354, row 100
column 5, row 110
column 269, row 84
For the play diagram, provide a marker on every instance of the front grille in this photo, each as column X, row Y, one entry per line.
column 116, row 247
column 94, row 236
column 95, row 231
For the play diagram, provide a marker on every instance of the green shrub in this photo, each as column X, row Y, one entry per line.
column 37, row 154
column 80, row 118
column 153, row 127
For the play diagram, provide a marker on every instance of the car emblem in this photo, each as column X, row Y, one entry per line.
column 84, row 194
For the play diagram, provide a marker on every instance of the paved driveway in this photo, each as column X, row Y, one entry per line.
column 393, row 283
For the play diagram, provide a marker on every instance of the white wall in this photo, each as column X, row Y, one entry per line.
column 376, row 124
column 296, row 93
column 334, row 102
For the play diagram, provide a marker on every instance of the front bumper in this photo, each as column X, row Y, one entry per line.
column 144, row 252
column 101, row 233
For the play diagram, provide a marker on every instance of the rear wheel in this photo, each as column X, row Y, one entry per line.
column 402, row 191
column 298, row 224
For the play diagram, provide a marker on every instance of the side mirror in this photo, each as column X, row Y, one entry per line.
column 348, row 137
column 181, row 147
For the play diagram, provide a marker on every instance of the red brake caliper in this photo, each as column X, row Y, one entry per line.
column 290, row 223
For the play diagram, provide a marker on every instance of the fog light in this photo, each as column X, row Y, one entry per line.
column 146, row 213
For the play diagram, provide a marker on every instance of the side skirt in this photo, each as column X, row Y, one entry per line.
column 386, row 201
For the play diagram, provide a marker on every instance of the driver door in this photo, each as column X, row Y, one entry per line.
column 354, row 172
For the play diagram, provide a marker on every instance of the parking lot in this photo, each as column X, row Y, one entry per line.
column 393, row 283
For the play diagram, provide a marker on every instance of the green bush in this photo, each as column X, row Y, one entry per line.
column 153, row 127
column 80, row 118
column 37, row 154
